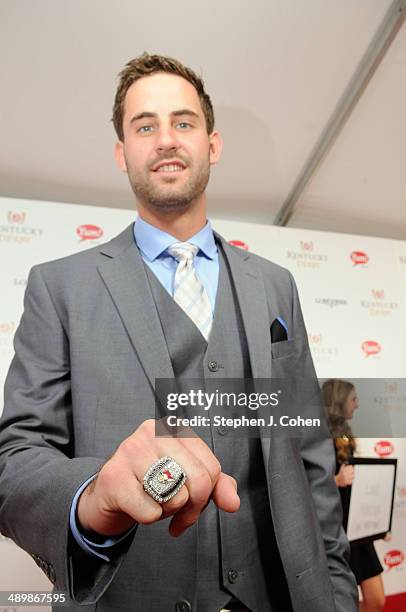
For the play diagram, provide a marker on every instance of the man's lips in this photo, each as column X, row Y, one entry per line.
column 173, row 165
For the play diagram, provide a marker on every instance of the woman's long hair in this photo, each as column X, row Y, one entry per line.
column 335, row 393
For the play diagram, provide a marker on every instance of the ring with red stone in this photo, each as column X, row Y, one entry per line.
column 164, row 479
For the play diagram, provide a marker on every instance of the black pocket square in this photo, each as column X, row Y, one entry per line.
column 279, row 332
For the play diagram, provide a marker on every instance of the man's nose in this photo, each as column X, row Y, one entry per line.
column 167, row 140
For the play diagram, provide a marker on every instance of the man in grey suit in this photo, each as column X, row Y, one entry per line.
column 77, row 434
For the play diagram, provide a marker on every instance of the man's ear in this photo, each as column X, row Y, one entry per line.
column 216, row 147
column 119, row 156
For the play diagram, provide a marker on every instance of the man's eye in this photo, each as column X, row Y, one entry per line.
column 144, row 129
column 184, row 124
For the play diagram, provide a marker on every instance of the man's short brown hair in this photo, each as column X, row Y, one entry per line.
column 145, row 65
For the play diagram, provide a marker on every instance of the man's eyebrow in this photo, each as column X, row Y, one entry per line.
column 177, row 113
column 185, row 111
column 142, row 115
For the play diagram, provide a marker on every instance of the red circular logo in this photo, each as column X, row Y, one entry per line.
column 89, row 232
column 383, row 448
column 370, row 347
column 359, row 258
column 239, row 243
column 393, row 558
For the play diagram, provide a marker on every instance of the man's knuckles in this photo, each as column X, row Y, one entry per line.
column 147, row 428
column 131, row 447
column 140, row 506
column 184, row 519
column 176, row 503
column 215, row 470
column 147, row 517
column 200, row 487
column 109, row 477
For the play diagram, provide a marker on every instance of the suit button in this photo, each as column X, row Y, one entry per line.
column 232, row 576
column 213, row 366
column 183, row 606
column 222, row 431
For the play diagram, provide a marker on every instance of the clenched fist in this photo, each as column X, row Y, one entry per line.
column 116, row 499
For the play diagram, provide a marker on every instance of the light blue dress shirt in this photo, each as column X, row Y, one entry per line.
column 153, row 244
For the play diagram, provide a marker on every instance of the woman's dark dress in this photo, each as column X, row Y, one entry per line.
column 364, row 561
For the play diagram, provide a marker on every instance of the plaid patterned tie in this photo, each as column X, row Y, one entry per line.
column 189, row 292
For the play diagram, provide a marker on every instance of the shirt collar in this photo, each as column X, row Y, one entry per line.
column 152, row 241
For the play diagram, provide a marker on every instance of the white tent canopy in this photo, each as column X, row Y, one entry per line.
column 281, row 73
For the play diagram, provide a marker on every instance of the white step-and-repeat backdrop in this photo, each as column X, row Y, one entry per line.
column 353, row 294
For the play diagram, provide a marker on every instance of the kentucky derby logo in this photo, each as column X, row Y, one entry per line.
column 378, row 304
column 307, row 257
column 7, row 327
column 306, row 246
column 320, row 350
column 16, row 217
column 15, row 229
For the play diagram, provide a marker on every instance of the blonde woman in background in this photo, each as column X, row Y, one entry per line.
column 340, row 400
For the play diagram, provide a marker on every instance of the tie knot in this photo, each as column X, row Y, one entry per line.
column 183, row 251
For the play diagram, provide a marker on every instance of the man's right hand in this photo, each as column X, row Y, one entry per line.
column 116, row 499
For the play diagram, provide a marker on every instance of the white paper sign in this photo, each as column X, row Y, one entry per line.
column 371, row 499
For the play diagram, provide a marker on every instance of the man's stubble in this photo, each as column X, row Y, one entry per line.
column 169, row 198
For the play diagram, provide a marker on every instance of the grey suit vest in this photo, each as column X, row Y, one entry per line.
column 237, row 554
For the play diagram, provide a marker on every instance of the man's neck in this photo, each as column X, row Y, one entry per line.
column 182, row 225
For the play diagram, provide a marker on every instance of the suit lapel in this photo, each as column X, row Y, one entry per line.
column 251, row 296
column 253, row 304
column 123, row 273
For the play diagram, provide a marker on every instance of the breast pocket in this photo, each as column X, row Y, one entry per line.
column 286, row 348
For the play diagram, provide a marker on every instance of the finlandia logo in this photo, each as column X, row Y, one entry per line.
column 240, row 244
column 370, row 347
column 393, row 558
column 16, row 217
column 359, row 258
column 384, row 448
column 89, row 232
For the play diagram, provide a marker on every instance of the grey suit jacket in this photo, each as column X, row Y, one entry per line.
column 87, row 352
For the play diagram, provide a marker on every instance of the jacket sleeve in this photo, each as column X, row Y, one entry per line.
column 317, row 452
column 39, row 472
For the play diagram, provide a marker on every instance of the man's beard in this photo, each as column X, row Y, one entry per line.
column 166, row 197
